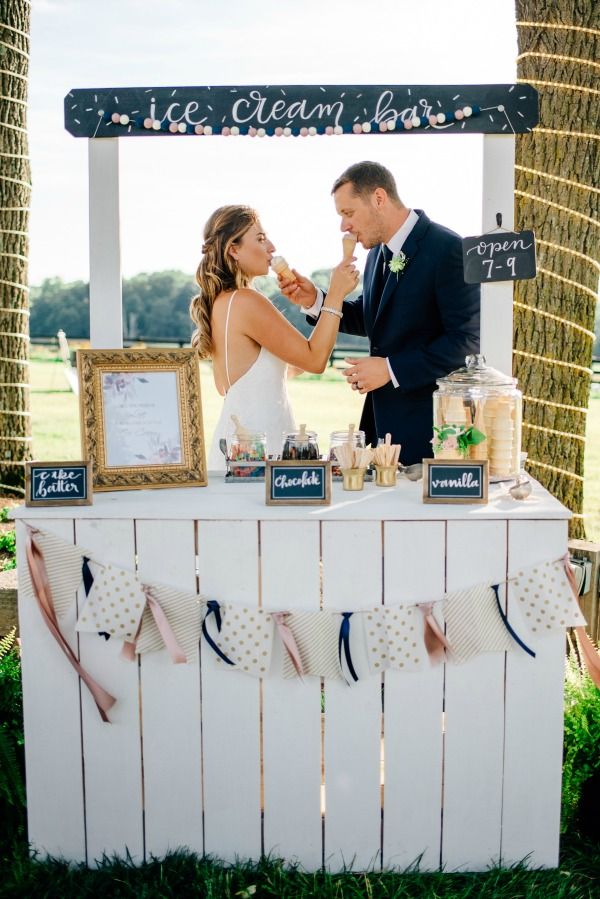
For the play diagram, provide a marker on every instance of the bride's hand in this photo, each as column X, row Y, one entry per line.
column 344, row 277
column 301, row 291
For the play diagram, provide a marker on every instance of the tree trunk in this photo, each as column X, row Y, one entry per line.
column 557, row 195
column 15, row 190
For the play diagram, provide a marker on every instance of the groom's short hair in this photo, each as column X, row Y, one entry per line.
column 366, row 177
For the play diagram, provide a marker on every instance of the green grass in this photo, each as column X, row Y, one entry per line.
column 325, row 403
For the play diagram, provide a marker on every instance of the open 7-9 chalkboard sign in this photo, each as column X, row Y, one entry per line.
column 499, row 256
column 455, row 481
column 291, row 483
column 58, row 484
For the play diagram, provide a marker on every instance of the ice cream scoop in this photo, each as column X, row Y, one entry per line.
column 281, row 268
column 348, row 243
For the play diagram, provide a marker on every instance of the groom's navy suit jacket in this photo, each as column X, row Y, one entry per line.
column 425, row 321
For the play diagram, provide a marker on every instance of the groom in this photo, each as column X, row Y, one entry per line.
column 419, row 315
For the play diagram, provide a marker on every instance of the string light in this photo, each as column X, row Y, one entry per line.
column 556, row 246
column 586, row 218
column 569, row 474
column 14, row 284
column 15, row 256
column 16, row 311
column 540, row 55
column 16, row 439
column 526, row 424
column 523, row 168
column 16, row 49
column 13, row 489
column 13, row 100
column 10, row 412
column 13, row 74
column 13, row 127
column 563, row 84
column 558, row 26
column 12, row 231
column 4, row 384
column 539, row 358
column 14, row 155
column 14, row 361
column 585, row 134
column 13, row 334
column 556, row 318
column 534, row 399
column 15, row 180
column 588, row 290
column 14, row 30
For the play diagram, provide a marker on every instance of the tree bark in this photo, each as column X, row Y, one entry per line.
column 557, row 195
column 15, row 190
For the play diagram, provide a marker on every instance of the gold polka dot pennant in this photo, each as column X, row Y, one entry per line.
column 474, row 624
column 115, row 603
column 394, row 638
column 545, row 599
column 316, row 635
column 63, row 564
column 245, row 638
column 184, row 612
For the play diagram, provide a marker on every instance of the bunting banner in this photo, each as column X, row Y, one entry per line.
column 536, row 601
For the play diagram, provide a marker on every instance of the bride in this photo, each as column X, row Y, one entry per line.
column 250, row 342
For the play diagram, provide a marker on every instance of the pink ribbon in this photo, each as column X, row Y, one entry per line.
column 588, row 650
column 164, row 628
column 43, row 594
column 288, row 640
column 435, row 641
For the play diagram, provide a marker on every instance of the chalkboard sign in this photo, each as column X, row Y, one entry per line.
column 301, row 110
column 455, row 481
column 499, row 256
column 58, row 484
column 298, row 483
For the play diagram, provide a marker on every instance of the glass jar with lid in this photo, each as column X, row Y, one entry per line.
column 301, row 445
column 477, row 413
column 338, row 438
column 246, row 454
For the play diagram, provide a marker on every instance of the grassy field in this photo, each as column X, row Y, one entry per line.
column 324, row 402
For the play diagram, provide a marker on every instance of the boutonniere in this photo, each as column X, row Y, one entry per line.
column 398, row 263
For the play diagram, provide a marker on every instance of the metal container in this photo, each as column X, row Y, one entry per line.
column 477, row 413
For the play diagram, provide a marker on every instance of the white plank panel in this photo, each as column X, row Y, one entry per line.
column 291, row 708
column 474, row 714
column 534, row 718
column 414, row 572
column 106, row 310
column 352, row 566
column 112, row 752
column 228, row 567
column 52, row 721
column 170, row 703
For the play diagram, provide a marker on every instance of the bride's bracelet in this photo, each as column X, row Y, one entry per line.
column 332, row 311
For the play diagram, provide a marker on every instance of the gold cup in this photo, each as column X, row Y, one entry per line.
column 353, row 478
column 385, row 475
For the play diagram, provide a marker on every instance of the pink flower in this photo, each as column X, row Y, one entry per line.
column 450, row 443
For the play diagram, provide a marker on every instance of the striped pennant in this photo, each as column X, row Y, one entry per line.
column 473, row 623
column 184, row 612
column 63, row 564
column 316, row 635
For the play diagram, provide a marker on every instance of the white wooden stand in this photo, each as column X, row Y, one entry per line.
column 460, row 765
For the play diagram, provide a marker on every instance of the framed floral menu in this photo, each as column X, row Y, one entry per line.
column 141, row 418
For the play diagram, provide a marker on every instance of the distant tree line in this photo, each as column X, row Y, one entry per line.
column 155, row 307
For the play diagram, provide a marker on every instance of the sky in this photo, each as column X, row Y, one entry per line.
column 169, row 187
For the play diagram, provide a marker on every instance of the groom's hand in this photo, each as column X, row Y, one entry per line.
column 367, row 374
column 301, row 291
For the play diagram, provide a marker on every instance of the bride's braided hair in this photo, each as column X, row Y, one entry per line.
column 218, row 270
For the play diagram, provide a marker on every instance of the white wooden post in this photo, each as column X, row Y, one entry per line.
column 496, row 298
column 106, row 307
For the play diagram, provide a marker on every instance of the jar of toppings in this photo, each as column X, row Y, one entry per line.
column 301, row 445
column 477, row 415
column 246, row 454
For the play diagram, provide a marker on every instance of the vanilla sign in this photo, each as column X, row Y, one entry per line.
column 58, row 484
column 455, row 481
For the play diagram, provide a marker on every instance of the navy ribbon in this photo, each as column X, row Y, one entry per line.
column 507, row 625
column 213, row 606
column 345, row 642
column 88, row 581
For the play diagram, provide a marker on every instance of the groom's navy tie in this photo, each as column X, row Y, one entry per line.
column 380, row 277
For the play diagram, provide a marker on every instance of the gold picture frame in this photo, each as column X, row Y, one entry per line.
column 141, row 418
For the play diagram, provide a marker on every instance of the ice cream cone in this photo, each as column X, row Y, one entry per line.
column 349, row 244
column 281, row 268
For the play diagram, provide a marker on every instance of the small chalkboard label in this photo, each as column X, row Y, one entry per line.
column 499, row 256
column 58, row 484
column 455, row 481
column 298, row 483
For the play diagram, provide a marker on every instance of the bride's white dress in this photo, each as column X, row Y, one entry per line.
column 259, row 399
